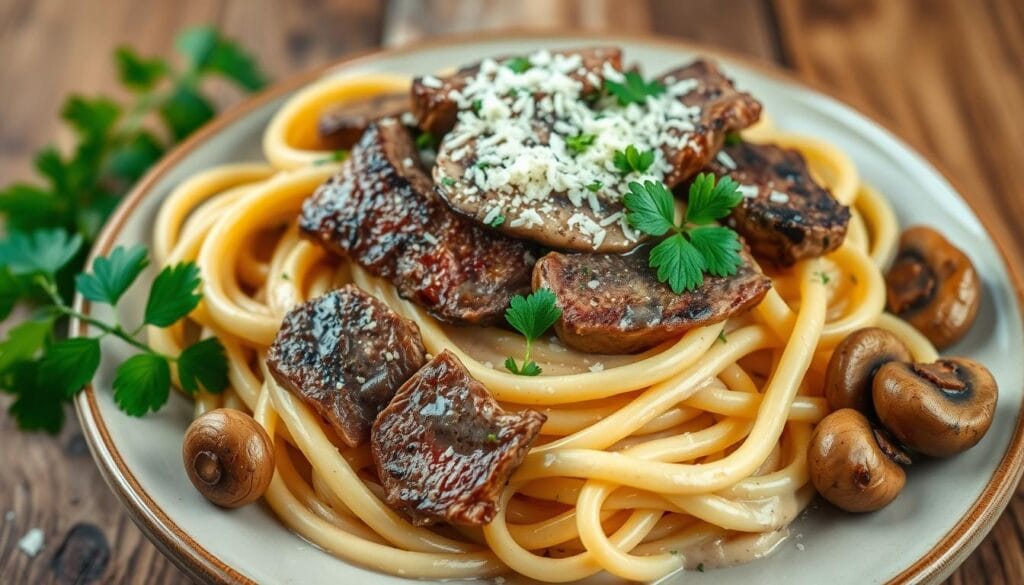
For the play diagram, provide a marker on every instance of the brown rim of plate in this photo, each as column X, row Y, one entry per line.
column 203, row 566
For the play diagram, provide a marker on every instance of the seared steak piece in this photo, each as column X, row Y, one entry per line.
column 723, row 109
column 444, row 448
column 615, row 304
column 785, row 216
column 436, row 110
column 341, row 126
column 381, row 211
column 345, row 354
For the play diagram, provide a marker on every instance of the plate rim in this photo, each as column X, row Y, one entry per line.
column 200, row 564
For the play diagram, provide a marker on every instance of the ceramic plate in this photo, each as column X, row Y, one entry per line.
column 943, row 513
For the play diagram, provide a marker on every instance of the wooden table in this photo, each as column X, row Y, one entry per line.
column 947, row 76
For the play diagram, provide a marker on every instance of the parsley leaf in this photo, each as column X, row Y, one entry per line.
column 595, row 186
column 23, row 342
column 203, row 364
column 531, row 316
column 497, row 221
column 38, row 407
column 678, row 263
column 580, row 143
column 426, row 141
column 633, row 89
column 650, row 207
column 709, row 200
column 632, row 160
column 693, row 247
column 448, row 181
column 142, row 384
column 39, row 251
column 336, row 156
column 518, row 64
column 173, row 294
column 70, row 364
column 208, row 52
column 138, row 73
column 185, row 111
column 720, row 247
column 733, row 138
column 112, row 275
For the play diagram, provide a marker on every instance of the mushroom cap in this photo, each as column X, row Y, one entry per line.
column 852, row 465
column 228, row 457
column 853, row 365
column 933, row 286
column 937, row 409
column 455, row 186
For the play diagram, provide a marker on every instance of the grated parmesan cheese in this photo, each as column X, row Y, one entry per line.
column 749, row 191
column 726, row 160
column 32, row 542
column 778, row 197
column 518, row 123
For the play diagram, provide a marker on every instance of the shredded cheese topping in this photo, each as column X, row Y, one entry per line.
column 513, row 127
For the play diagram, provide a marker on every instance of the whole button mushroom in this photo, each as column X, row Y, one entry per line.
column 937, row 409
column 933, row 286
column 854, row 363
column 852, row 465
column 228, row 457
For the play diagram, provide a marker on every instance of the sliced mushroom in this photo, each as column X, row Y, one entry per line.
column 852, row 465
column 853, row 366
column 228, row 457
column 937, row 409
column 557, row 217
column 933, row 286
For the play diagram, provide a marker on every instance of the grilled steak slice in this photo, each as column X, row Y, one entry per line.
column 785, row 216
column 345, row 354
column 444, row 448
column 381, row 211
column 436, row 110
column 615, row 304
column 723, row 109
column 340, row 127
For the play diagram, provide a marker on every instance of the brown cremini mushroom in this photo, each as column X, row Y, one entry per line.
column 853, row 365
column 228, row 457
column 852, row 465
column 937, row 409
column 933, row 286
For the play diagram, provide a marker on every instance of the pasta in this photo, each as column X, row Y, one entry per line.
column 694, row 452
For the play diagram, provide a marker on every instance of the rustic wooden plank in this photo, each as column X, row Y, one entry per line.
column 52, row 48
column 948, row 77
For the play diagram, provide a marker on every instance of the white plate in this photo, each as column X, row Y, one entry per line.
column 939, row 518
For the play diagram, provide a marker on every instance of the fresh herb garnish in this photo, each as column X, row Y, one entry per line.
column 492, row 438
column 518, row 64
column 632, row 160
column 43, row 373
column 693, row 247
column 51, row 224
column 580, row 143
column 426, row 141
column 595, row 186
column 633, row 89
column 822, row 277
column 497, row 221
column 448, row 181
column 531, row 316
column 722, row 337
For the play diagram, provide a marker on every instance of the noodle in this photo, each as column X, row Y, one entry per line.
column 694, row 451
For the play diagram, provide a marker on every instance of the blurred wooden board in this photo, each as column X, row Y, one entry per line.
column 948, row 76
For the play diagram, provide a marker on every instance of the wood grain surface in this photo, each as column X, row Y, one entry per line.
column 947, row 76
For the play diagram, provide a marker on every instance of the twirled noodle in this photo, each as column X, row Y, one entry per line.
column 692, row 452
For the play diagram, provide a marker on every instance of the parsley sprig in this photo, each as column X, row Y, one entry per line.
column 633, row 89
column 694, row 247
column 117, row 143
column 531, row 316
column 51, row 223
column 632, row 160
column 44, row 372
